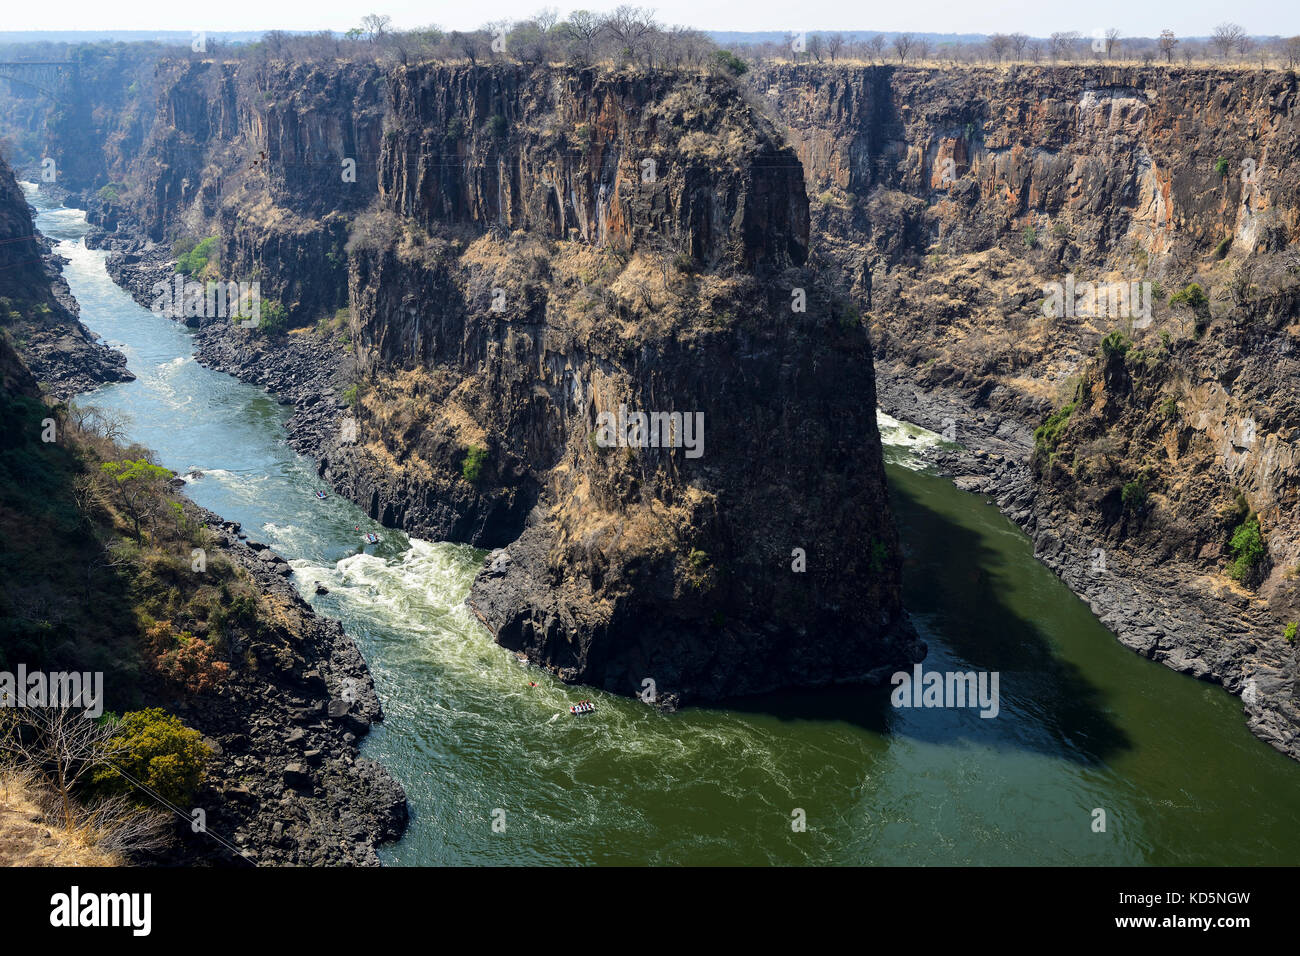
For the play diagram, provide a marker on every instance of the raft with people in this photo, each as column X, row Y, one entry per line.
column 582, row 707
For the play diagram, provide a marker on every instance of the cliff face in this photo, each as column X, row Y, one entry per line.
column 272, row 158
column 953, row 201
column 609, row 161
column 667, row 294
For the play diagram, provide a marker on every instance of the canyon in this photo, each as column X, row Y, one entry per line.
column 522, row 250
column 538, row 248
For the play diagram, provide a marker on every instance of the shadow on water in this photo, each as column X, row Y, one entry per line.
column 967, row 588
column 964, row 587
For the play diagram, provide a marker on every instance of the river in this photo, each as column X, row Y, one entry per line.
column 1084, row 724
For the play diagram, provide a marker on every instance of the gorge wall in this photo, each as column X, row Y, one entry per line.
column 952, row 200
column 282, row 715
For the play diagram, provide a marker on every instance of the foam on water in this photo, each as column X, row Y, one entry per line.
column 904, row 443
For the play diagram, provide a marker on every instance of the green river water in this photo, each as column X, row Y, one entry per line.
column 1083, row 722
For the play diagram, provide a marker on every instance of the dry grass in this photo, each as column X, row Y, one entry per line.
column 27, row 839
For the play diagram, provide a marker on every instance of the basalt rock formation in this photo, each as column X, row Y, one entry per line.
column 554, row 246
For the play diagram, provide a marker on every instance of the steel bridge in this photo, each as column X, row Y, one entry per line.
column 47, row 76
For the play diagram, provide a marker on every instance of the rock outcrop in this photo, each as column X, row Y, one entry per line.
column 590, row 246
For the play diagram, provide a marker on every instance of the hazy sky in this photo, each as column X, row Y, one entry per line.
column 1184, row 17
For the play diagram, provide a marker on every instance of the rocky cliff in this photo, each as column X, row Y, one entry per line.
column 1145, row 433
column 555, row 246
column 271, row 159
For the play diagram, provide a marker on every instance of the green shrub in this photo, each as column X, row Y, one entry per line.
column 1048, row 435
column 350, row 395
column 582, row 133
column 1222, row 248
column 1169, row 408
column 1248, row 550
column 455, row 131
column 275, row 317
column 699, row 559
column 1222, row 167
column 160, row 752
column 1115, row 343
column 729, row 62
column 879, row 554
column 196, row 258
column 849, row 316
column 1134, row 496
column 1192, row 296
column 472, row 467
column 1031, row 237
column 1290, row 632
column 497, row 126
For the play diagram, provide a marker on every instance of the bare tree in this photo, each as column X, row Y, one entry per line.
column 546, row 18
column 582, row 30
column 1110, row 42
column 920, row 49
column 630, row 27
column 1167, row 43
column 999, row 43
column 467, row 45
column 1291, row 52
column 1019, row 41
column 876, row 46
column 61, row 744
column 376, row 25
column 816, row 47
column 1061, row 45
column 529, row 42
column 1225, row 38
column 834, row 44
column 903, row 45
